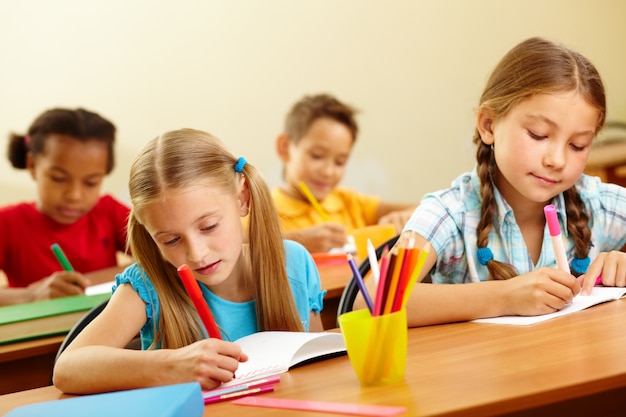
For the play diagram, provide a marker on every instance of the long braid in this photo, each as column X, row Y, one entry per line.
column 484, row 158
column 578, row 226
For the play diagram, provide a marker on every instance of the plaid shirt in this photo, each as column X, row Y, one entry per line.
column 448, row 220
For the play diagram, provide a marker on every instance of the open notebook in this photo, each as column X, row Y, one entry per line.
column 275, row 352
column 580, row 302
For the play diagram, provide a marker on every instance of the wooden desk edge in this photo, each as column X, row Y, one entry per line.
column 30, row 348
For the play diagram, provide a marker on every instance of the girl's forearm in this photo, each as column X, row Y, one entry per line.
column 448, row 303
column 96, row 369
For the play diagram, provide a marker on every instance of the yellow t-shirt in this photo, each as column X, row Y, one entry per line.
column 344, row 206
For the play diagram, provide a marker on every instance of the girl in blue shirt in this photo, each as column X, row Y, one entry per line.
column 188, row 195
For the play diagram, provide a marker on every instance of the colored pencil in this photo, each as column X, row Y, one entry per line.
column 360, row 283
column 374, row 267
column 408, row 266
column 393, row 279
column 421, row 259
column 316, row 205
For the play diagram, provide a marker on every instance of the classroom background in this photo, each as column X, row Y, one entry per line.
column 414, row 69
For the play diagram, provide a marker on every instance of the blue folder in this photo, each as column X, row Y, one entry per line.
column 179, row 400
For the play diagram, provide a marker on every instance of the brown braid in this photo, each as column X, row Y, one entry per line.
column 577, row 223
column 484, row 157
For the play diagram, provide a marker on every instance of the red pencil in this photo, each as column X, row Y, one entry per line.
column 393, row 270
column 408, row 265
column 195, row 293
column 379, row 302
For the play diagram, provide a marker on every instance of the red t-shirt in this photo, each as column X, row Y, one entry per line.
column 90, row 244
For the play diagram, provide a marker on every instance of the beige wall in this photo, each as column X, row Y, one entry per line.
column 414, row 68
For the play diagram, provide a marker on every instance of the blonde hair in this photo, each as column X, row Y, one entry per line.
column 185, row 158
column 535, row 66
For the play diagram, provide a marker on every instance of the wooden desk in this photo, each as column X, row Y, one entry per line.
column 28, row 364
column 574, row 364
column 334, row 277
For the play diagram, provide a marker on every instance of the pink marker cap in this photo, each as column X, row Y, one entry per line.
column 553, row 221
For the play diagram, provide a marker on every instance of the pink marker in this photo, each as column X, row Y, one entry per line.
column 555, row 236
column 238, row 394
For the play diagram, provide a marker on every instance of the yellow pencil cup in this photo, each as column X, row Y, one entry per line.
column 376, row 345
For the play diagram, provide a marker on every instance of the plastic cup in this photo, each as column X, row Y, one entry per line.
column 376, row 345
column 378, row 234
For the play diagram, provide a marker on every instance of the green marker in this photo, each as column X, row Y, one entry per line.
column 58, row 253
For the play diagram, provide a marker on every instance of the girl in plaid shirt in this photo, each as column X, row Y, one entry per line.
column 538, row 115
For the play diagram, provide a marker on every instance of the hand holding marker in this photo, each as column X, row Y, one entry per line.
column 63, row 261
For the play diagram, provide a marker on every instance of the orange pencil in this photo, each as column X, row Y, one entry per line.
column 421, row 259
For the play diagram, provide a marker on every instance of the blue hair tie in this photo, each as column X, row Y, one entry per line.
column 484, row 255
column 241, row 162
column 580, row 265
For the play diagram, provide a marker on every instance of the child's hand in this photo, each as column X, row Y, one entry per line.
column 323, row 237
column 611, row 266
column 59, row 284
column 544, row 290
column 209, row 361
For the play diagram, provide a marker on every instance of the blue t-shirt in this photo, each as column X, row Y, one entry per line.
column 236, row 320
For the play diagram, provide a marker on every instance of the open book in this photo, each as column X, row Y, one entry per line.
column 580, row 302
column 275, row 352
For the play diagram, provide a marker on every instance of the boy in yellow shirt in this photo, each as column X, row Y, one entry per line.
column 315, row 146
